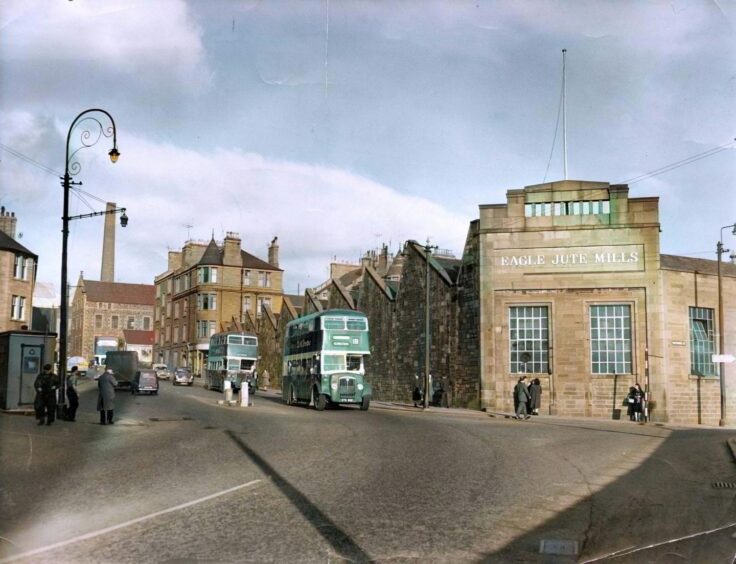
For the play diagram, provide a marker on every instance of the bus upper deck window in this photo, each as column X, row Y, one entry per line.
column 333, row 323
column 356, row 324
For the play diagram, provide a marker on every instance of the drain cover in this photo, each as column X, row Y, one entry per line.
column 556, row 546
column 159, row 419
column 724, row 485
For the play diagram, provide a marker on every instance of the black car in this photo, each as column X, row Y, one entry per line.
column 145, row 381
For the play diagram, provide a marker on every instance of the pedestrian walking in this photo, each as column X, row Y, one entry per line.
column 46, row 385
column 106, row 396
column 266, row 379
column 521, row 393
column 638, row 402
column 71, row 394
column 416, row 394
column 535, row 396
column 631, row 403
column 445, row 392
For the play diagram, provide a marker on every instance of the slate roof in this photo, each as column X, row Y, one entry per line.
column 120, row 293
column 451, row 266
column 7, row 243
column 213, row 257
column 296, row 300
column 703, row 266
column 138, row 337
column 250, row 261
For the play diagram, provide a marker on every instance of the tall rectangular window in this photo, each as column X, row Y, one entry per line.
column 528, row 340
column 702, row 342
column 22, row 264
column 205, row 329
column 131, row 323
column 114, row 322
column 246, row 278
column 207, row 275
column 207, row 301
column 260, row 278
column 146, row 323
column 247, row 304
column 610, row 339
column 18, row 308
column 98, row 321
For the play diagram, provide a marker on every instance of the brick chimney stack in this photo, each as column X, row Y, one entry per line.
column 231, row 255
column 7, row 222
column 273, row 252
column 107, row 273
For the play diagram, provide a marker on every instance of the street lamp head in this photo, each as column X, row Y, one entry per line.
column 123, row 220
column 114, row 154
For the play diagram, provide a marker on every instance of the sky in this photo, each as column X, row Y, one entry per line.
column 341, row 126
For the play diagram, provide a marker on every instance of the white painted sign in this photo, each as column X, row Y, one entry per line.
column 724, row 358
column 607, row 258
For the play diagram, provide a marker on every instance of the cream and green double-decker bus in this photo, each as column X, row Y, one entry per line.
column 324, row 356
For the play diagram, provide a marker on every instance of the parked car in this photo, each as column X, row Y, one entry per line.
column 183, row 376
column 145, row 381
column 162, row 371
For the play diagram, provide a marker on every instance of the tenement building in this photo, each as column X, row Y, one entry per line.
column 17, row 277
column 209, row 288
column 573, row 290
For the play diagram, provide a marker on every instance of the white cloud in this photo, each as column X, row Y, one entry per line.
column 125, row 37
column 317, row 212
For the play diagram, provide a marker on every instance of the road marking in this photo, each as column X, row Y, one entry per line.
column 106, row 530
column 627, row 551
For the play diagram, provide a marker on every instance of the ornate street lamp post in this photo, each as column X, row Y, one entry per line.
column 89, row 135
column 721, row 329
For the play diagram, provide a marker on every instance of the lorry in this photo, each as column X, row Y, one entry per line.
column 124, row 365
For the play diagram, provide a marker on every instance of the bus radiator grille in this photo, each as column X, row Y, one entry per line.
column 346, row 387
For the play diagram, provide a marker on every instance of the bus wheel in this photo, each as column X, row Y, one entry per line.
column 320, row 400
column 365, row 403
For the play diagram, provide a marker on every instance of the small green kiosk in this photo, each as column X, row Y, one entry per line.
column 22, row 356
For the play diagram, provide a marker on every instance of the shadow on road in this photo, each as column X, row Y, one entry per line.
column 340, row 541
column 647, row 514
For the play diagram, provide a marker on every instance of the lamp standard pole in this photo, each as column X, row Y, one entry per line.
column 88, row 138
column 427, row 391
column 721, row 329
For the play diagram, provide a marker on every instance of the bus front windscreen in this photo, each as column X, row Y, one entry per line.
column 341, row 363
column 333, row 362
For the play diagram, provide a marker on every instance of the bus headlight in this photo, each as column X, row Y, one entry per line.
column 360, row 387
column 333, row 386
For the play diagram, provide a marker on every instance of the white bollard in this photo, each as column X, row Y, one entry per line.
column 227, row 388
column 244, row 393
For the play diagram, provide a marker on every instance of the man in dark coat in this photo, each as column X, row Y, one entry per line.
column 535, row 396
column 521, row 394
column 46, row 385
column 106, row 396
column 71, row 394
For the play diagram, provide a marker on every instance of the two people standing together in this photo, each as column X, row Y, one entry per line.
column 527, row 399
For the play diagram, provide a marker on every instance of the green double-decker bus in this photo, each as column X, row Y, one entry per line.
column 324, row 357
